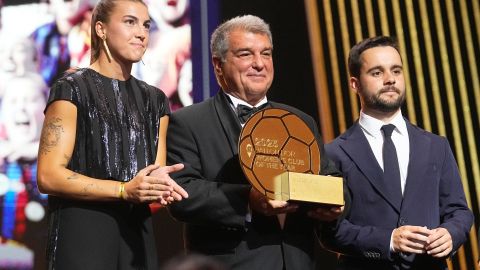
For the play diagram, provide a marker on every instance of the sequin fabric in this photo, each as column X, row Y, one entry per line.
column 117, row 123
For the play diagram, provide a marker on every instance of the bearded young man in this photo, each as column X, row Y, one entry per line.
column 408, row 208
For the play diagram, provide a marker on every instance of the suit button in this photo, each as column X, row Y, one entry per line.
column 403, row 221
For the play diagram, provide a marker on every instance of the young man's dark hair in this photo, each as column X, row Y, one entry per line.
column 354, row 61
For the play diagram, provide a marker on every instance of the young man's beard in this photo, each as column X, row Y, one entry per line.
column 377, row 103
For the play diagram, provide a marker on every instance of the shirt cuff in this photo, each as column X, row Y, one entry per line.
column 248, row 216
column 392, row 250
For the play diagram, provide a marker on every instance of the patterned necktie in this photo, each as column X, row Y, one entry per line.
column 391, row 170
column 244, row 112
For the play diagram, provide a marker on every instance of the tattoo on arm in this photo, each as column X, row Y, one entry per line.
column 67, row 160
column 51, row 133
column 73, row 176
column 87, row 189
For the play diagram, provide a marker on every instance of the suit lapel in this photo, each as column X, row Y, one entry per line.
column 356, row 146
column 229, row 121
column 418, row 160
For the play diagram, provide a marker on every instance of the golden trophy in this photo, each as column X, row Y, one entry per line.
column 280, row 157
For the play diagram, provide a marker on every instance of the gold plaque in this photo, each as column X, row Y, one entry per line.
column 274, row 141
column 308, row 188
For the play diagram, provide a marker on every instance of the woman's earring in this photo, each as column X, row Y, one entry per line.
column 107, row 50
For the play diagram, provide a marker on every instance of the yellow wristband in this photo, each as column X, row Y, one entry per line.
column 121, row 191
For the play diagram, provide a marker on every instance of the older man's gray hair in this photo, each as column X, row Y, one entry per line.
column 249, row 23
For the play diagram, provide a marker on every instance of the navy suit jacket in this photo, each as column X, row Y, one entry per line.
column 433, row 197
column 204, row 137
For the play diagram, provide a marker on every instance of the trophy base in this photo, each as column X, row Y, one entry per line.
column 308, row 189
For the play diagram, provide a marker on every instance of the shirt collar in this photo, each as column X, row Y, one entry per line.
column 372, row 125
column 236, row 101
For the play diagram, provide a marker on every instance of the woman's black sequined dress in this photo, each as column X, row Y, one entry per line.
column 117, row 135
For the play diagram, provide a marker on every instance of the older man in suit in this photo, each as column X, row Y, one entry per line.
column 224, row 216
column 408, row 208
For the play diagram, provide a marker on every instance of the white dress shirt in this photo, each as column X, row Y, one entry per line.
column 233, row 104
column 371, row 127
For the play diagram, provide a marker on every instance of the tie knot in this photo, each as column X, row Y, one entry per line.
column 388, row 129
column 244, row 112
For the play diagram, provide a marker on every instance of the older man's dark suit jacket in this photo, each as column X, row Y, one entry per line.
column 433, row 197
column 204, row 137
